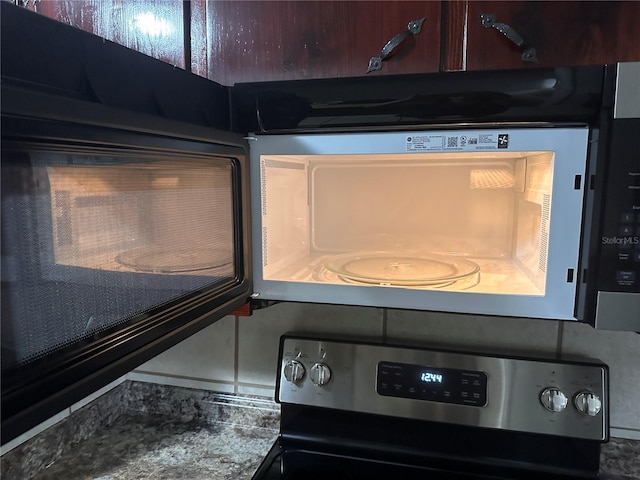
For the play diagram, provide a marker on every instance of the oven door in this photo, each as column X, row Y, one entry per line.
column 117, row 242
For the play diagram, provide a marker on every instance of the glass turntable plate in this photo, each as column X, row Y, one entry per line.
column 402, row 269
column 167, row 260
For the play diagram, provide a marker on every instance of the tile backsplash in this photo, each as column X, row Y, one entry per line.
column 239, row 354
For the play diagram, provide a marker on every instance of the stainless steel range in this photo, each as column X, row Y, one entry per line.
column 356, row 409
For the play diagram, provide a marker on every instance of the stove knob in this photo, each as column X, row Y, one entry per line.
column 588, row 403
column 320, row 374
column 293, row 371
column 553, row 399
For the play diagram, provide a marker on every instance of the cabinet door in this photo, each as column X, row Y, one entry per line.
column 151, row 27
column 271, row 40
column 563, row 33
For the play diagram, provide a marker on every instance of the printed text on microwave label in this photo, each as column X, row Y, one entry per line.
column 462, row 142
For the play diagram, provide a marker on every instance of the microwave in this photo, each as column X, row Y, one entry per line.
column 141, row 203
column 403, row 194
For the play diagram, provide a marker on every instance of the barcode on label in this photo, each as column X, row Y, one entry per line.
column 452, row 142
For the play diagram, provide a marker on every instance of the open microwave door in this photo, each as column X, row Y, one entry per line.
column 124, row 213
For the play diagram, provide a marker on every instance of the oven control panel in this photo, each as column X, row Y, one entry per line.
column 422, row 382
column 481, row 390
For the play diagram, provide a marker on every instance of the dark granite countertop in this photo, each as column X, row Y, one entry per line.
column 158, row 447
column 148, row 431
column 620, row 460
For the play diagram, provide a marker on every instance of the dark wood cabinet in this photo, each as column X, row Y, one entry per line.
column 562, row 32
column 151, row 27
column 249, row 41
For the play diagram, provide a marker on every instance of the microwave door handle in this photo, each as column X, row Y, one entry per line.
column 413, row 28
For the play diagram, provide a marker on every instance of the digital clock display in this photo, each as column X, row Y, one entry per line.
column 430, row 376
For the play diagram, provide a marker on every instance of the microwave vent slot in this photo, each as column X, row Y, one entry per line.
column 492, row 178
column 265, row 250
column 544, row 232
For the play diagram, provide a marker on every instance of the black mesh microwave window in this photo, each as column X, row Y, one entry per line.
column 89, row 244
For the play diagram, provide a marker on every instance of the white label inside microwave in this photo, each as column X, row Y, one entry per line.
column 457, row 142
